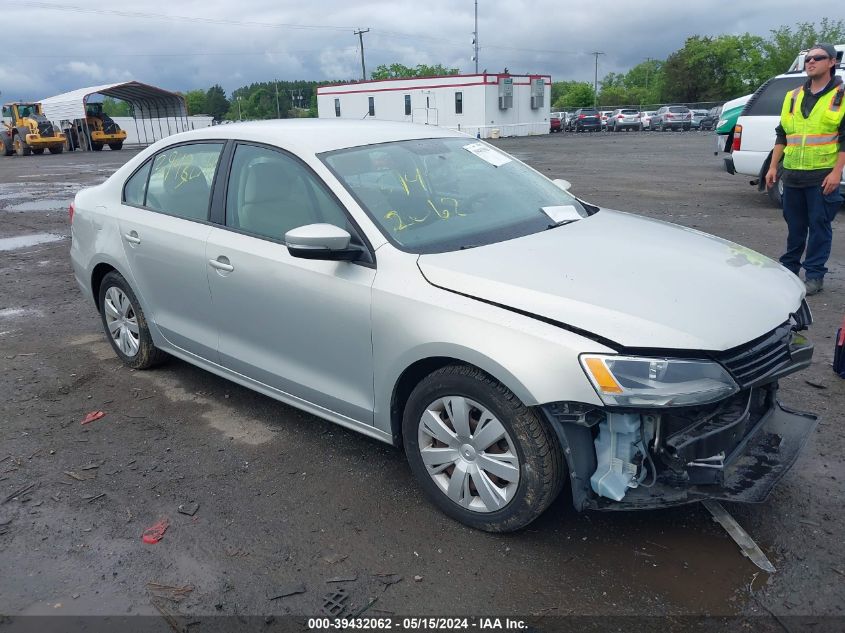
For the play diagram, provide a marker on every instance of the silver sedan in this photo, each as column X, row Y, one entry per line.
column 429, row 290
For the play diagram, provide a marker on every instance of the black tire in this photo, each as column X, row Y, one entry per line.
column 116, row 146
column 8, row 148
column 686, row 128
column 38, row 151
column 147, row 354
column 97, row 147
column 57, row 149
column 540, row 462
column 776, row 193
column 21, row 147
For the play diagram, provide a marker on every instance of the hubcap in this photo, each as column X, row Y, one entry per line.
column 468, row 454
column 121, row 321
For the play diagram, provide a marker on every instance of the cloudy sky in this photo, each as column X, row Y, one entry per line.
column 52, row 47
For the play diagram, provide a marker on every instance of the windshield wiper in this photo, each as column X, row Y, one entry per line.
column 561, row 223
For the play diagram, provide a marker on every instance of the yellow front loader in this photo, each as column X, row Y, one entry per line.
column 104, row 131
column 27, row 131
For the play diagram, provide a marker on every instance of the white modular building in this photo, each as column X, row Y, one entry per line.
column 484, row 105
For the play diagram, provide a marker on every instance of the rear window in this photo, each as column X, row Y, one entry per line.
column 768, row 99
column 678, row 109
column 629, row 112
column 589, row 111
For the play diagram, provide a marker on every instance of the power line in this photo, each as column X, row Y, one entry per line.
column 185, row 18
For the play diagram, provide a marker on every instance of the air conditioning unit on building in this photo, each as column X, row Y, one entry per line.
column 536, row 102
column 505, row 92
column 505, row 102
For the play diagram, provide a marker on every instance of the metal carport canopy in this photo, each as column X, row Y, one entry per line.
column 148, row 102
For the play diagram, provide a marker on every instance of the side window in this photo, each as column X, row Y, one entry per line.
column 459, row 103
column 180, row 181
column 270, row 193
column 372, row 102
column 136, row 187
column 407, row 105
column 337, row 107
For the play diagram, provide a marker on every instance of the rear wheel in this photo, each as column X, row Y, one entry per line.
column 125, row 324
column 775, row 193
column 8, row 148
column 57, row 149
column 116, row 146
column 480, row 455
column 97, row 147
column 38, row 151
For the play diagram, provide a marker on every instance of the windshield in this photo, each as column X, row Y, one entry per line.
column 438, row 195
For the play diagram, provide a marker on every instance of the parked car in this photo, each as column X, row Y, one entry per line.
column 624, row 119
column 697, row 116
column 605, row 114
column 754, row 135
column 554, row 123
column 727, row 122
column 672, row 118
column 645, row 119
column 309, row 260
column 585, row 119
column 709, row 121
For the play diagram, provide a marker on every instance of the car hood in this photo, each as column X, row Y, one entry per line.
column 635, row 281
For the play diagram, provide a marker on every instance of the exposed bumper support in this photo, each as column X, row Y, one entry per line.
column 729, row 165
column 750, row 472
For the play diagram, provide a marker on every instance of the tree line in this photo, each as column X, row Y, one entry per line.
column 705, row 69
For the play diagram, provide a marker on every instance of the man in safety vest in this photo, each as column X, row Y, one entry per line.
column 811, row 141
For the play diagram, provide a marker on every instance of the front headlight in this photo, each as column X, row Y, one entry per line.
column 629, row 381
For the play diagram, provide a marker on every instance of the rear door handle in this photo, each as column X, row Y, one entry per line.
column 132, row 237
column 221, row 263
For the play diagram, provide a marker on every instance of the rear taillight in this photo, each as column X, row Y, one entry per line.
column 669, row 115
column 582, row 116
column 737, row 144
column 70, row 211
column 620, row 116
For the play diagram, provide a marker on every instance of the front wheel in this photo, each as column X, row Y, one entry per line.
column 480, row 455
column 125, row 324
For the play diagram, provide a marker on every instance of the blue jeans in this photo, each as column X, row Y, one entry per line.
column 808, row 213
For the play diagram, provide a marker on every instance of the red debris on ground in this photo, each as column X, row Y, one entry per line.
column 155, row 533
column 94, row 415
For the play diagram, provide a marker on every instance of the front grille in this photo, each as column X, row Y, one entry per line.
column 761, row 357
column 45, row 128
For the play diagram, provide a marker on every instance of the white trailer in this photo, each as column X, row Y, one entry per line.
column 484, row 105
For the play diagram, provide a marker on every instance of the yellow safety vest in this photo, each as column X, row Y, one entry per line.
column 812, row 143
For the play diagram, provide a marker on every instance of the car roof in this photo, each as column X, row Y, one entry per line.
column 317, row 135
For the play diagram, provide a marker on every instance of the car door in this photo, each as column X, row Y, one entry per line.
column 301, row 326
column 164, row 223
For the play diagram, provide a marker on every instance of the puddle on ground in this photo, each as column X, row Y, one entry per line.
column 42, row 204
column 11, row 313
column 23, row 241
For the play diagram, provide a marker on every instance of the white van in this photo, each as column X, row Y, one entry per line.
column 754, row 136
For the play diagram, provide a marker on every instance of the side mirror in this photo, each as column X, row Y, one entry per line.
column 321, row 241
column 563, row 184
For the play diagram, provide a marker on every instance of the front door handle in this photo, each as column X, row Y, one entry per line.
column 221, row 263
column 132, row 237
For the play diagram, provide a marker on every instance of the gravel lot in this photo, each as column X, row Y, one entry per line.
column 289, row 502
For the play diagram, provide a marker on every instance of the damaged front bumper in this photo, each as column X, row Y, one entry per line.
column 738, row 454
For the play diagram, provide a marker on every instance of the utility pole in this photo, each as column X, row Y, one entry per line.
column 596, row 79
column 647, row 68
column 360, row 35
column 475, row 38
column 278, row 109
